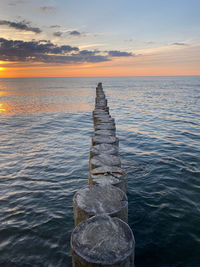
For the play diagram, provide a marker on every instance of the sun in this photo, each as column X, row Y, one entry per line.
column 1, row 68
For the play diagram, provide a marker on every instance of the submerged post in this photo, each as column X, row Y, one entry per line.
column 102, row 236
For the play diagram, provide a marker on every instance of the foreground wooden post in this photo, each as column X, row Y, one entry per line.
column 102, row 241
column 97, row 199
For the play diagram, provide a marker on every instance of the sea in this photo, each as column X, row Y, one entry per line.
column 45, row 136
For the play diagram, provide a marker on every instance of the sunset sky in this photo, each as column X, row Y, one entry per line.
column 69, row 38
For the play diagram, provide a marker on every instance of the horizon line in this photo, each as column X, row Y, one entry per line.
column 125, row 76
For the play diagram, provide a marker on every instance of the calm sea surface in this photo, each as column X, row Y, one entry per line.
column 45, row 129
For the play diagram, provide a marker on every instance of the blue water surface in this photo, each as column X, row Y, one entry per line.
column 45, row 130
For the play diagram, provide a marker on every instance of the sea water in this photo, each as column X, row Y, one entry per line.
column 45, row 134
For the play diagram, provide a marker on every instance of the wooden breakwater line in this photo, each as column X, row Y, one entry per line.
column 102, row 236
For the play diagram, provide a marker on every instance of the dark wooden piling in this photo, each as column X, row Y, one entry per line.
column 108, row 175
column 102, row 241
column 88, row 202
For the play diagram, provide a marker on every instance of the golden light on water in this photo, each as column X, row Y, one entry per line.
column 2, row 108
column 34, row 101
column 2, row 72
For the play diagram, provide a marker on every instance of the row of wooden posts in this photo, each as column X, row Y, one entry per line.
column 101, row 236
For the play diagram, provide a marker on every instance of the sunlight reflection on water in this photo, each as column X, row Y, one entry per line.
column 29, row 99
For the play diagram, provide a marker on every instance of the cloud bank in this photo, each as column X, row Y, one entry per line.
column 47, row 52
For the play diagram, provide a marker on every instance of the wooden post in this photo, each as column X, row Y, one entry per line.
column 96, row 199
column 104, row 160
column 102, row 139
column 102, row 241
column 104, row 132
column 109, row 149
column 104, row 126
column 111, row 175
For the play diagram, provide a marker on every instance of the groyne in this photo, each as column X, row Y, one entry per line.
column 102, row 236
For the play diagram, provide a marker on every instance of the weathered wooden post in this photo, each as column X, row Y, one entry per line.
column 102, row 241
column 104, row 160
column 102, row 139
column 100, row 199
column 105, row 126
column 108, row 175
column 109, row 149
column 104, row 132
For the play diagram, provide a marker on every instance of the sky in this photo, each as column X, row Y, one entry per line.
column 90, row 38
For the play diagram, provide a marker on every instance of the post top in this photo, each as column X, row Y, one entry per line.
column 103, row 240
column 100, row 199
